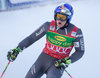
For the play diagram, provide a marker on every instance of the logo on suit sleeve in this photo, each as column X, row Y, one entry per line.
column 52, row 28
column 73, row 34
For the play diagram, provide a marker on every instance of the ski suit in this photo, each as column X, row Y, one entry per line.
column 59, row 43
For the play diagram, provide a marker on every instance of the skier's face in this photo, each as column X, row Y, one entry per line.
column 61, row 20
column 60, row 23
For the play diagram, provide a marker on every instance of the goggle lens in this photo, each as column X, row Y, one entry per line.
column 61, row 17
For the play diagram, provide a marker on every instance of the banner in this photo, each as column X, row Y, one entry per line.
column 6, row 5
column 19, row 1
column 0, row 5
column 14, row 4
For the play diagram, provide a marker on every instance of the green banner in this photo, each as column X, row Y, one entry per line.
column 59, row 40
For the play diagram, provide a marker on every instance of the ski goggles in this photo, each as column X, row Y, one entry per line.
column 61, row 17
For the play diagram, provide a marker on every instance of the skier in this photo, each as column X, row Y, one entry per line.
column 61, row 37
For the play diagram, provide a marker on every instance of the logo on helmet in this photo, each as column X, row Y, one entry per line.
column 65, row 10
column 62, row 7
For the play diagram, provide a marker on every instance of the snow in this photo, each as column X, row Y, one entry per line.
column 18, row 24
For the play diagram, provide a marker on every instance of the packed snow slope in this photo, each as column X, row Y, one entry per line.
column 18, row 24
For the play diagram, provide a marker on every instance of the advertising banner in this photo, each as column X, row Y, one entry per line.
column 19, row 3
column 0, row 5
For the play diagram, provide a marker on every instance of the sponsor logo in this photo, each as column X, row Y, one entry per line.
column 59, row 43
column 40, row 32
column 60, row 38
column 82, row 44
column 52, row 28
column 79, row 35
column 65, row 10
column 76, row 44
column 59, row 49
column 73, row 34
column 62, row 7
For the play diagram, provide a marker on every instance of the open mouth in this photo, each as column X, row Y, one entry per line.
column 59, row 23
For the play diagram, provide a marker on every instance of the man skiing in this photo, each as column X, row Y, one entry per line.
column 61, row 37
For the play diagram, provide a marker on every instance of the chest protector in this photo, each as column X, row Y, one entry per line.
column 57, row 45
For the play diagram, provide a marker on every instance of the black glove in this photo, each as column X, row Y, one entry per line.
column 12, row 54
column 63, row 63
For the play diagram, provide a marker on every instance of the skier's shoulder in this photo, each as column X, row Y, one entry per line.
column 45, row 26
column 72, row 25
column 79, row 33
column 47, row 23
column 78, row 29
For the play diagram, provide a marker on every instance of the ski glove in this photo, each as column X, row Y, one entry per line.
column 63, row 63
column 12, row 54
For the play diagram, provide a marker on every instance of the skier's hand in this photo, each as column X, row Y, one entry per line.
column 12, row 54
column 63, row 63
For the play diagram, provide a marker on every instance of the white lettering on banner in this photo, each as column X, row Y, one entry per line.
column 38, row 33
column 19, row 1
column 51, row 47
column 59, row 49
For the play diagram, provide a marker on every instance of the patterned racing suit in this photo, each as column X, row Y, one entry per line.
column 59, row 43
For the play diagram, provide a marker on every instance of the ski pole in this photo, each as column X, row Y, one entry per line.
column 68, row 73
column 5, row 69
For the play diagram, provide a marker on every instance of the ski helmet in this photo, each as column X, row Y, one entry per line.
column 65, row 9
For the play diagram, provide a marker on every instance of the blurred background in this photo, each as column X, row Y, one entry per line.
column 20, row 18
